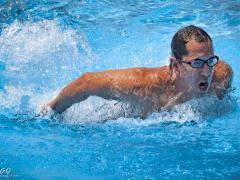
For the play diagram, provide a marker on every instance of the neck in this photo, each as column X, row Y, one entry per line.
column 176, row 91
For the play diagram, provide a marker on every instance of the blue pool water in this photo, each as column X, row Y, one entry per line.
column 44, row 44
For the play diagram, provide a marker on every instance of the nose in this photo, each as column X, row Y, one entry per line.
column 206, row 70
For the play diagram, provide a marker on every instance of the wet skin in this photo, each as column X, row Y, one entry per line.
column 151, row 89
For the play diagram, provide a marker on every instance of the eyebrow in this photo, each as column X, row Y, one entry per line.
column 204, row 58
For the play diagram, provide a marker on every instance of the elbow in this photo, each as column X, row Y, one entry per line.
column 93, row 84
column 84, row 79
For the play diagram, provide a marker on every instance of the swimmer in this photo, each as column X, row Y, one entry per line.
column 193, row 71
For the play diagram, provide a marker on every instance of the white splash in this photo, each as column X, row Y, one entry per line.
column 24, row 42
column 38, row 57
column 33, row 51
column 96, row 109
column 12, row 96
column 99, row 110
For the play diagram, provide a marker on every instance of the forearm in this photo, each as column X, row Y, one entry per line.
column 65, row 99
column 77, row 91
column 112, row 84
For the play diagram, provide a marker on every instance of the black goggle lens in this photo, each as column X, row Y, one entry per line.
column 199, row 63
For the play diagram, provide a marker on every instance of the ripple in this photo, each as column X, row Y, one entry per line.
column 117, row 13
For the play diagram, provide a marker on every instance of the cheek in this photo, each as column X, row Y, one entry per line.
column 195, row 76
column 191, row 75
column 187, row 72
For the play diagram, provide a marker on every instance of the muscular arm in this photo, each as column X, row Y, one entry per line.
column 80, row 89
column 112, row 84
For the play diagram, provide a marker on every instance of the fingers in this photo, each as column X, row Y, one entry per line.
column 46, row 110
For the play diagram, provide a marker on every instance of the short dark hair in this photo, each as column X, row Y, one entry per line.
column 184, row 35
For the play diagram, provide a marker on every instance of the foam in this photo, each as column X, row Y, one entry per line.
column 95, row 110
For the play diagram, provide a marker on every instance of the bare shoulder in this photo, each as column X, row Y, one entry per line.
column 222, row 78
column 134, row 77
column 141, row 72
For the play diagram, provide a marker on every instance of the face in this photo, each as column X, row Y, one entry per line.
column 195, row 80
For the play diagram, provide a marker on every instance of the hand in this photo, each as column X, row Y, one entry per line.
column 220, row 90
column 46, row 110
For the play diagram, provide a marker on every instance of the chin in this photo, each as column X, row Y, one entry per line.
column 200, row 92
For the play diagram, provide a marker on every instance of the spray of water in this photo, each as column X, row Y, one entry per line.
column 210, row 79
column 37, row 59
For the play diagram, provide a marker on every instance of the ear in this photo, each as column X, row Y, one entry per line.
column 174, row 67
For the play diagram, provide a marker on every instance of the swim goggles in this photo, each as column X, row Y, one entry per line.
column 199, row 63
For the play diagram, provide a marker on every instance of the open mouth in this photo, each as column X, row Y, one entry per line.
column 203, row 86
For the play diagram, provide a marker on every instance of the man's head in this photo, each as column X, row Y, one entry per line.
column 183, row 36
column 189, row 44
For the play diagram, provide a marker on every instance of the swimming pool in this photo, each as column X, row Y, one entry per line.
column 46, row 44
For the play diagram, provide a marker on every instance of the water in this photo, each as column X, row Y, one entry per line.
column 46, row 44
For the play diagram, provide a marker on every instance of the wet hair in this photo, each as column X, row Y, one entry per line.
column 183, row 36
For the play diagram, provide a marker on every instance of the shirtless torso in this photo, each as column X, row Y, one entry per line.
column 194, row 71
column 149, row 88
